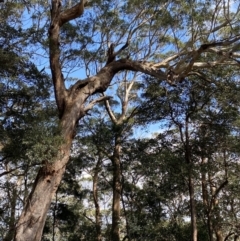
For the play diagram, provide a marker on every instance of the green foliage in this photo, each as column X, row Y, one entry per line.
column 198, row 116
column 28, row 126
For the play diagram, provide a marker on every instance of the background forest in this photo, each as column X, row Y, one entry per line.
column 120, row 120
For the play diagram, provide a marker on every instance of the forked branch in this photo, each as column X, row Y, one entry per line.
column 72, row 13
column 91, row 104
column 58, row 18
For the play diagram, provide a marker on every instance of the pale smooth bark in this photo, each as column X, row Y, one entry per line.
column 116, row 157
column 117, row 189
column 194, row 229
column 205, row 198
column 95, row 199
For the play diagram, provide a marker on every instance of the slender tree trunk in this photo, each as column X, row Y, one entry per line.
column 13, row 201
column 95, row 198
column 116, row 163
column 124, row 209
column 54, row 223
column 117, row 187
column 194, row 230
column 12, row 197
column 206, row 202
column 236, row 238
column 214, row 203
column 192, row 208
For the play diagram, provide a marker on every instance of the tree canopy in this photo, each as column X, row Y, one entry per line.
column 119, row 120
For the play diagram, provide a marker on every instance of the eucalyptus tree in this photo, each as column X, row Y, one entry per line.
column 201, row 116
column 215, row 148
column 26, row 112
column 170, row 40
column 115, row 127
column 122, row 124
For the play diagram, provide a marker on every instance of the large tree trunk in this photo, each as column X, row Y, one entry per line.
column 31, row 222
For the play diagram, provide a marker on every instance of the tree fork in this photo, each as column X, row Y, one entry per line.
column 31, row 222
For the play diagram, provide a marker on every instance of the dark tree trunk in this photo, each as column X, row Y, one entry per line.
column 188, row 159
column 12, row 197
column 192, row 208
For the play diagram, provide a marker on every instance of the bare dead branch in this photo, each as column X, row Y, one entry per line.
column 7, row 172
column 213, row 64
column 91, row 104
column 112, row 55
column 109, row 111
